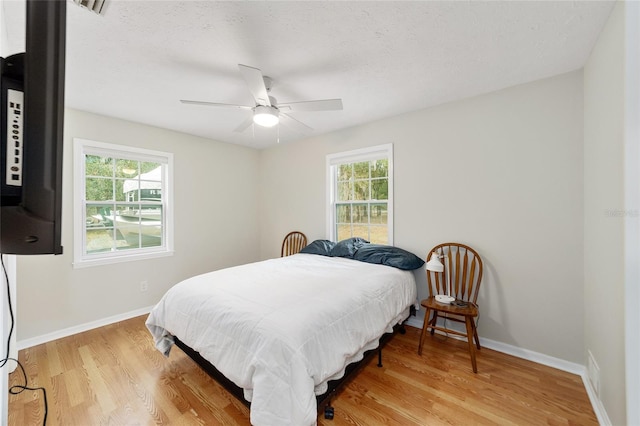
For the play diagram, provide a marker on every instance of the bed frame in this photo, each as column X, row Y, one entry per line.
column 334, row 386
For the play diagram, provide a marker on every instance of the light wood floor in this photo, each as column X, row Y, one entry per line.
column 114, row 376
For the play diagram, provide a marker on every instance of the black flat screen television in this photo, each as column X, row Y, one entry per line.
column 32, row 116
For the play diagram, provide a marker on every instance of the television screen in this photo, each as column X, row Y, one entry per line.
column 32, row 116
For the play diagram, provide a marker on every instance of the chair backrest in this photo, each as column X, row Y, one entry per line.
column 462, row 272
column 293, row 242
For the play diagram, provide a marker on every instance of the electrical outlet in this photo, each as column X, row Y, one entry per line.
column 593, row 372
column 144, row 286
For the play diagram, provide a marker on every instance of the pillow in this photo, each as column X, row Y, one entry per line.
column 388, row 255
column 321, row 247
column 347, row 248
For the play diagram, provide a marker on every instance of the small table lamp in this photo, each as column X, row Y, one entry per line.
column 435, row 265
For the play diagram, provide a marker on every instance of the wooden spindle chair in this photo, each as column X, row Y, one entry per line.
column 293, row 242
column 463, row 274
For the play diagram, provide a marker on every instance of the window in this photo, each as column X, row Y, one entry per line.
column 122, row 203
column 360, row 194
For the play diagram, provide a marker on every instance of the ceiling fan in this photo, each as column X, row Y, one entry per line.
column 267, row 112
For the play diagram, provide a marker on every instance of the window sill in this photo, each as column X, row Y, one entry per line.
column 87, row 263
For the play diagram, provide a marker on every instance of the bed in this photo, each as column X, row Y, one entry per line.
column 282, row 329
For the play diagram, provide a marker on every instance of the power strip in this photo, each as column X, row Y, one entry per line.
column 15, row 131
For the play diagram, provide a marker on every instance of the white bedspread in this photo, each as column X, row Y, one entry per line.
column 281, row 328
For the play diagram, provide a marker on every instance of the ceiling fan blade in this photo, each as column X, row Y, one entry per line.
column 243, row 126
column 294, row 124
column 321, row 105
column 184, row 101
column 255, row 81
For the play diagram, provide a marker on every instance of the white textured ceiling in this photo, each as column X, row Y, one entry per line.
column 382, row 58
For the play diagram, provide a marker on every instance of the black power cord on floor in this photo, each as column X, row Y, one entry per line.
column 17, row 389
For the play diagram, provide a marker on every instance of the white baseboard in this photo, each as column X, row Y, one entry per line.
column 596, row 403
column 38, row 340
column 536, row 357
column 543, row 359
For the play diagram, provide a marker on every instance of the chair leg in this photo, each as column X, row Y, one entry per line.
column 472, row 349
column 475, row 334
column 425, row 325
column 433, row 322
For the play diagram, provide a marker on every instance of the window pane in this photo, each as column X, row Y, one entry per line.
column 361, row 170
column 151, row 186
column 343, row 213
column 379, row 234
column 344, row 172
column 100, row 230
column 99, row 240
column 344, row 191
column 360, row 214
column 99, row 189
column 128, row 225
column 129, row 188
column 379, row 213
column 151, row 194
column 131, row 240
column 121, row 195
column 361, row 190
column 96, row 165
column 380, row 189
column 343, row 232
column 150, row 215
column 152, row 237
column 151, row 170
column 127, row 168
column 140, row 225
column 361, row 231
column 98, row 216
column 380, row 168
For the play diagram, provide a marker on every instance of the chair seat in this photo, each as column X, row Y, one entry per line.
column 471, row 310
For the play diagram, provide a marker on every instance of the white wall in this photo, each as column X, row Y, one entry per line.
column 632, row 203
column 12, row 31
column 508, row 167
column 215, row 226
column 4, row 33
column 605, row 212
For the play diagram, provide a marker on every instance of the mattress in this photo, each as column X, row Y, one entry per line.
column 282, row 328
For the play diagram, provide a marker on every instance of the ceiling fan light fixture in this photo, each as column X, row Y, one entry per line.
column 265, row 116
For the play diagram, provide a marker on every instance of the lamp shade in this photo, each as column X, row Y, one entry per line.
column 265, row 116
column 434, row 264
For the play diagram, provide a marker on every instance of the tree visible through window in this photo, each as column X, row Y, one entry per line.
column 360, row 196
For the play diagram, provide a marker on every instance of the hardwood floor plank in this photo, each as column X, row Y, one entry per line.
column 98, row 383
column 114, row 376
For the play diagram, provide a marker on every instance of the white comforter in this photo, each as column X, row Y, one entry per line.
column 281, row 328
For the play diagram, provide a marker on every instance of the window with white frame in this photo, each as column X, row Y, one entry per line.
column 122, row 200
column 360, row 194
